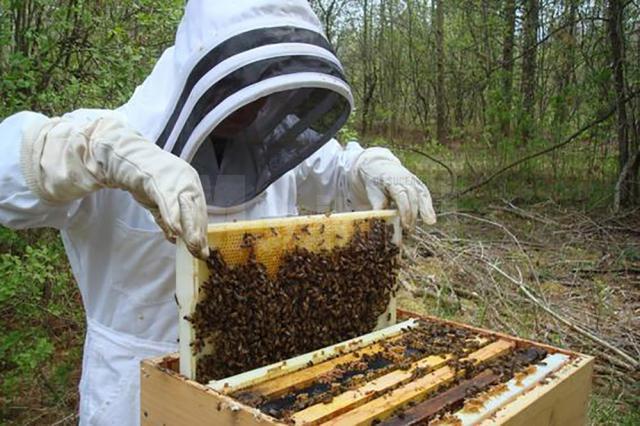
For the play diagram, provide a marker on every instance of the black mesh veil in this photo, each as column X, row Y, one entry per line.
column 290, row 126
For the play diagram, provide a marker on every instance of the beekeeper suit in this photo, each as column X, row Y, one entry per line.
column 234, row 122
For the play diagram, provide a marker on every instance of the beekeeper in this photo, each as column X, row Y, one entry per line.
column 235, row 122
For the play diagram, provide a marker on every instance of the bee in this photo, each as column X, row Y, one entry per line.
column 248, row 240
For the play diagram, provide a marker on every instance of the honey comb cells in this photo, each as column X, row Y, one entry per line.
column 315, row 299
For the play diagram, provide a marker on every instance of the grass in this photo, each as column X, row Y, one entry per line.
column 617, row 411
column 42, row 323
column 578, row 174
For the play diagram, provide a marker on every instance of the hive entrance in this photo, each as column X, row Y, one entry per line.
column 277, row 288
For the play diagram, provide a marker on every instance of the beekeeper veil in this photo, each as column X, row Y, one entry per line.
column 250, row 89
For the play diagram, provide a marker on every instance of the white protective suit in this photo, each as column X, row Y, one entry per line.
column 225, row 56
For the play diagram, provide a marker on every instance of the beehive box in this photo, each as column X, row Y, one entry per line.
column 553, row 390
column 271, row 239
column 410, row 387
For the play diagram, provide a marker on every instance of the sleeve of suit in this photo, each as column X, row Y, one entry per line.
column 20, row 206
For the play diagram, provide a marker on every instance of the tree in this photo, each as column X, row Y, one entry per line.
column 441, row 113
column 331, row 14
column 507, row 63
column 529, row 65
column 615, row 19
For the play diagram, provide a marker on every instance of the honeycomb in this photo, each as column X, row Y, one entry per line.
column 275, row 237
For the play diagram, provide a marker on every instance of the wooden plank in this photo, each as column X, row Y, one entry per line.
column 274, row 237
column 384, row 406
column 483, row 406
column 423, row 411
column 348, row 400
column 258, row 224
column 279, row 369
column 353, row 398
column 188, row 279
column 299, row 379
column 271, row 386
column 562, row 400
column 171, row 400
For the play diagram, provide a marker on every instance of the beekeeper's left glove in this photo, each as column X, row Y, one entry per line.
column 63, row 160
column 379, row 177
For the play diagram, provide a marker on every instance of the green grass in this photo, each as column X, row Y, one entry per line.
column 605, row 410
column 579, row 173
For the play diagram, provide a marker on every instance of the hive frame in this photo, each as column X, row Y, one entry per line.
column 192, row 272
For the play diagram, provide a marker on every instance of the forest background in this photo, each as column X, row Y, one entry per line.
column 522, row 116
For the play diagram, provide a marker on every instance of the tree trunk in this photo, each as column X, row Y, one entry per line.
column 565, row 76
column 507, row 63
column 369, row 78
column 441, row 116
column 615, row 11
column 529, row 58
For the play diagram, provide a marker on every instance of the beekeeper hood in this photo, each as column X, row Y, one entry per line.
column 249, row 90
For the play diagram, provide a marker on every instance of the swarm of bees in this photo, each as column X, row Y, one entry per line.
column 315, row 299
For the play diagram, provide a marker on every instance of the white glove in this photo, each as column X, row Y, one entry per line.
column 63, row 161
column 379, row 177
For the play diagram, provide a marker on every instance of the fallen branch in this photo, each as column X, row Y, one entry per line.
column 452, row 175
column 631, row 363
column 517, row 211
column 552, row 148
column 598, row 271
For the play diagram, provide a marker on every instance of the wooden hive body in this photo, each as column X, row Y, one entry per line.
column 556, row 391
column 273, row 238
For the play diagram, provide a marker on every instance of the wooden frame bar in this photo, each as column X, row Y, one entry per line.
column 274, row 371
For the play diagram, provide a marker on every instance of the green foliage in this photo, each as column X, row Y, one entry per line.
column 348, row 132
column 388, row 48
column 11, row 241
column 41, row 321
column 57, row 55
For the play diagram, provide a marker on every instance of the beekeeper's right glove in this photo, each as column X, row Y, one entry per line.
column 63, row 161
